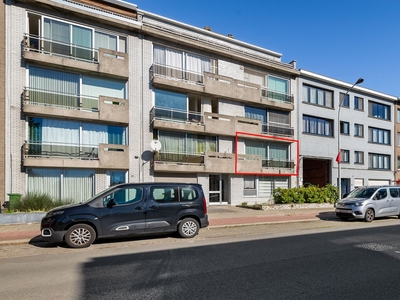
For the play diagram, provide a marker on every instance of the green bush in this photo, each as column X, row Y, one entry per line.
column 310, row 194
column 34, row 202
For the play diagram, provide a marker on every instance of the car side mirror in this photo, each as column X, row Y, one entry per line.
column 345, row 195
column 111, row 203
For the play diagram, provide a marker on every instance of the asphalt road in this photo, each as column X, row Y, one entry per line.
column 354, row 260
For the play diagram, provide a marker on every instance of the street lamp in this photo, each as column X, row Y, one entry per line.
column 339, row 157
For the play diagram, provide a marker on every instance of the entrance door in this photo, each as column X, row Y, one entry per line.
column 216, row 187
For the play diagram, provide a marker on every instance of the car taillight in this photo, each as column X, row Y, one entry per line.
column 204, row 205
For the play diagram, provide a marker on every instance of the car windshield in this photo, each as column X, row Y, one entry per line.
column 362, row 193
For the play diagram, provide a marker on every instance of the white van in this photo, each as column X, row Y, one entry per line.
column 370, row 202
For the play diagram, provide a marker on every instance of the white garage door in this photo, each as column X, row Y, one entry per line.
column 358, row 182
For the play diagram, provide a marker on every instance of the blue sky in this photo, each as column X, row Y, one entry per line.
column 341, row 39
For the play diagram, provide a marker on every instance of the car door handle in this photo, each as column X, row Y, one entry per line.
column 153, row 207
column 138, row 208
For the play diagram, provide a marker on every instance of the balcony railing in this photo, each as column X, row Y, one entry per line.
column 68, row 50
column 65, row 150
column 272, row 95
column 179, row 158
column 175, row 115
column 277, row 164
column 41, row 97
column 277, row 129
column 180, row 74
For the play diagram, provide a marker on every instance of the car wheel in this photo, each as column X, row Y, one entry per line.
column 80, row 236
column 369, row 215
column 188, row 228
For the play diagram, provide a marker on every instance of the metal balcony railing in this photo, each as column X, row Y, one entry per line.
column 179, row 158
column 67, row 50
column 280, row 164
column 175, row 115
column 33, row 96
column 60, row 150
column 277, row 129
column 272, row 95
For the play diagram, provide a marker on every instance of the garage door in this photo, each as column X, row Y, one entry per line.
column 358, row 182
column 378, row 182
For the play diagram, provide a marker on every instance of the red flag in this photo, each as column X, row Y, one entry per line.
column 339, row 157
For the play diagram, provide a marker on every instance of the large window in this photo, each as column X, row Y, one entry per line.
column 70, row 138
column 318, row 126
column 278, row 89
column 67, row 184
column 263, row 186
column 273, row 154
column 67, row 89
column 180, row 64
column 377, row 110
column 378, row 136
column 379, row 161
column 317, row 96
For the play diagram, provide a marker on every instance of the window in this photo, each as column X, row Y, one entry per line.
column 345, row 156
column 65, row 89
column 55, row 137
column 181, row 65
column 359, row 157
column 378, row 161
column 317, row 126
column 171, row 105
column 398, row 162
column 278, row 89
column 188, row 194
column 344, row 127
column 358, row 130
column 263, row 186
column 398, row 116
column 125, row 196
column 378, row 136
column 358, row 103
column 164, row 194
column 377, row 110
column 317, row 96
column 250, row 186
column 398, row 139
column 67, row 184
column 273, row 121
column 273, row 154
column 344, row 100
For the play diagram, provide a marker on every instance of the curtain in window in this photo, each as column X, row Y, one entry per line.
column 321, row 97
column 92, row 86
column 46, row 181
column 82, row 39
column 117, row 135
column 256, row 114
column 173, row 145
column 94, row 134
column 105, row 40
column 174, row 105
column 277, row 84
column 196, row 65
column 78, row 185
column 197, row 144
column 53, row 87
column 249, row 182
column 256, row 148
column 279, row 117
column 60, row 131
column 58, row 37
column 278, row 151
column 265, row 186
column 313, row 96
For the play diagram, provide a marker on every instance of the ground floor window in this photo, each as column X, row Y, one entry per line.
column 66, row 184
column 263, row 186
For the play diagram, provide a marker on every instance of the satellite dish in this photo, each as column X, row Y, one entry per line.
column 155, row 145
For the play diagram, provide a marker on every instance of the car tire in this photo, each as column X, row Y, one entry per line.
column 188, row 228
column 80, row 236
column 369, row 215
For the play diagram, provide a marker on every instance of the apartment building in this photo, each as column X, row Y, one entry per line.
column 100, row 92
column 366, row 133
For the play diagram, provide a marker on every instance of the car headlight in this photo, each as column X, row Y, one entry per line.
column 359, row 204
column 54, row 213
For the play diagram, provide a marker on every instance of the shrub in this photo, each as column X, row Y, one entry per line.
column 310, row 194
column 32, row 202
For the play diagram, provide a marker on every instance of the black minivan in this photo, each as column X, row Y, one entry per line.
column 129, row 209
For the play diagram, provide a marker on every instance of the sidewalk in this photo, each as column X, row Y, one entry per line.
column 219, row 216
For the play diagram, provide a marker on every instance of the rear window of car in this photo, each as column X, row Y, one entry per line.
column 165, row 194
column 188, row 194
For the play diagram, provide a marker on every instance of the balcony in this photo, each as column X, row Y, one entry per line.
column 255, row 164
column 211, row 162
column 211, row 123
column 74, row 155
column 70, row 56
column 39, row 102
column 277, row 99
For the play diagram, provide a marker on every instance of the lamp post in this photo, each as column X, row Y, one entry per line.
column 339, row 160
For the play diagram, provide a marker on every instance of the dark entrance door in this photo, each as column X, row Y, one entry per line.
column 316, row 172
